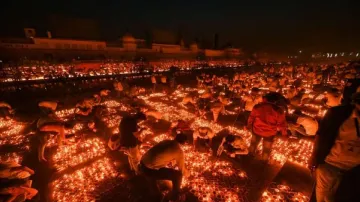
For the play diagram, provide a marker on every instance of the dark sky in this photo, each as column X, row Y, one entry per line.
column 253, row 24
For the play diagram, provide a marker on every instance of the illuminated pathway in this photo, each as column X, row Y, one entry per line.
column 204, row 171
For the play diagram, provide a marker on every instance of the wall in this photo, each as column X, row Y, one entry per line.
column 164, row 48
column 47, row 43
column 214, row 53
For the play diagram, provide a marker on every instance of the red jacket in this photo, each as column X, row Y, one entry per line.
column 267, row 119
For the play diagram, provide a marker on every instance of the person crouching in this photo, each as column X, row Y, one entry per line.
column 154, row 163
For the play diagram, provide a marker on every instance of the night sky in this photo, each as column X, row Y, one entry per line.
column 254, row 25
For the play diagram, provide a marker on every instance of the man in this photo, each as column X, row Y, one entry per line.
column 305, row 125
column 153, row 81
column 154, row 163
column 265, row 121
column 203, row 137
column 163, row 80
column 291, row 93
column 337, row 149
column 47, row 125
column 118, row 88
column 233, row 145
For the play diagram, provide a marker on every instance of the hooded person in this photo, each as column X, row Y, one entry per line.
column 129, row 139
column 265, row 121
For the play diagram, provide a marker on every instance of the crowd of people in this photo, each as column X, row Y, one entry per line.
column 318, row 102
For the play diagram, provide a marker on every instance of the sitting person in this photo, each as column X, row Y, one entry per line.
column 233, row 145
column 305, row 125
column 180, row 127
column 216, row 109
column 151, row 113
column 154, row 163
column 203, row 137
column 291, row 93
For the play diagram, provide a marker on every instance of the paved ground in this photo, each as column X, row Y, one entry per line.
column 87, row 170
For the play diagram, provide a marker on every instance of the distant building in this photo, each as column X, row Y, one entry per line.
column 163, row 45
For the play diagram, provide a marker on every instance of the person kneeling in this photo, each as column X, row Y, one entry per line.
column 233, row 145
column 202, row 138
column 45, row 128
column 154, row 163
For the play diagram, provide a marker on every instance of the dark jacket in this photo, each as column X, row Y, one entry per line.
column 328, row 131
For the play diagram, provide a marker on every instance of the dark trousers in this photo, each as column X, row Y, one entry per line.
column 173, row 175
column 267, row 145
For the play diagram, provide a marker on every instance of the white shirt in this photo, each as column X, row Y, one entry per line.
column 345, row 153
column 311, row 125
column 48, row 104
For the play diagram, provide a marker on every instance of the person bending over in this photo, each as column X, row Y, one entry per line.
column 305, row 125
column 50, row 125
column 233, row 145
column 154, row 163
column 202, row 137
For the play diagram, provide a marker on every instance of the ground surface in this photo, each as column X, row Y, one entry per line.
column 88, row 171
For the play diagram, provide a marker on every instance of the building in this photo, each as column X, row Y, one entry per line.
column 127, row 47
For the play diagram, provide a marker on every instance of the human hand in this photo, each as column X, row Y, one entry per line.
column 29, row 170
column 312, row 169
